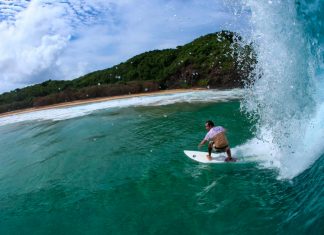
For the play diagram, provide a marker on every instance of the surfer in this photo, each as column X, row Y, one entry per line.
column 217, row 140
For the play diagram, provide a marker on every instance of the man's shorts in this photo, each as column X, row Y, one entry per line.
column 219, row 150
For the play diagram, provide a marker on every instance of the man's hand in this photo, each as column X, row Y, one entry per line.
column 201, row 144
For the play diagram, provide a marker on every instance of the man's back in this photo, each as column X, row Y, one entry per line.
column 220, row 140
column 213, row 132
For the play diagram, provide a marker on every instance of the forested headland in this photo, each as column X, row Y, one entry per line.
column 219, row 60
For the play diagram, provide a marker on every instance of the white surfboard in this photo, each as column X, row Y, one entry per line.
column 202, row 157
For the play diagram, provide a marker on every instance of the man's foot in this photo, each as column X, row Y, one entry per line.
column 230, row 159
column 209, row 157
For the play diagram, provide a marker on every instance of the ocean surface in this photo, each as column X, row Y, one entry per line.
column 118, row 167
column 122, row 170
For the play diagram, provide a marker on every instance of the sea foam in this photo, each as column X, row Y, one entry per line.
column 206, row 96
column 286, row 95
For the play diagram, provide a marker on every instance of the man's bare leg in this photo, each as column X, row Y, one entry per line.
column 229, row 155
column 210, row 148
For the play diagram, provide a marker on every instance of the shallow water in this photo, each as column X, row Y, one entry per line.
column 123, row 171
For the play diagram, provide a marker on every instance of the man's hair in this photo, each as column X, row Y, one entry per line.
column 210, row 123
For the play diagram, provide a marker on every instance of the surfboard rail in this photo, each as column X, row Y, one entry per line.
column 200, row 156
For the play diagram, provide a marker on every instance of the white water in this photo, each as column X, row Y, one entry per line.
column 287, row 94
column 151, row 100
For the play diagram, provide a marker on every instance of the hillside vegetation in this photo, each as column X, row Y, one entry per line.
column 217, row 60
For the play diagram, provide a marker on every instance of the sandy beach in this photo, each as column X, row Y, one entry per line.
column 94, row 100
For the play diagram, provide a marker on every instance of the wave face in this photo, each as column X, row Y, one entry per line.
column 286, row 93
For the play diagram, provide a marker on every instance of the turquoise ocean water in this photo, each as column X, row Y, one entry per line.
column 122, row 170
column 118, row 167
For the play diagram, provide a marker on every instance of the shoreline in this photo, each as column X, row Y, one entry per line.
column 97, row 100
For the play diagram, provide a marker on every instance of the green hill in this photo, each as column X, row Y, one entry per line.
column 217, row 60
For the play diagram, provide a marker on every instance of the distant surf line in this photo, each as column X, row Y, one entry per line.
column 95, row 100
column 76, row 109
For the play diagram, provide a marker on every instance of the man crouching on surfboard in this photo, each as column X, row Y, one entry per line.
column 217, row 140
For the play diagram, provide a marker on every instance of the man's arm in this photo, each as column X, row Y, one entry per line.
column 202, row 143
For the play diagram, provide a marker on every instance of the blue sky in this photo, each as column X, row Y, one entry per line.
column 44, row 39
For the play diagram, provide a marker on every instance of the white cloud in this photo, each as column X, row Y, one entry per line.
column 63, row 40
column 32, row 43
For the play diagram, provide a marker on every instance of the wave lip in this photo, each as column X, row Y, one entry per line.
column 203, row 96
column 286, row 94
